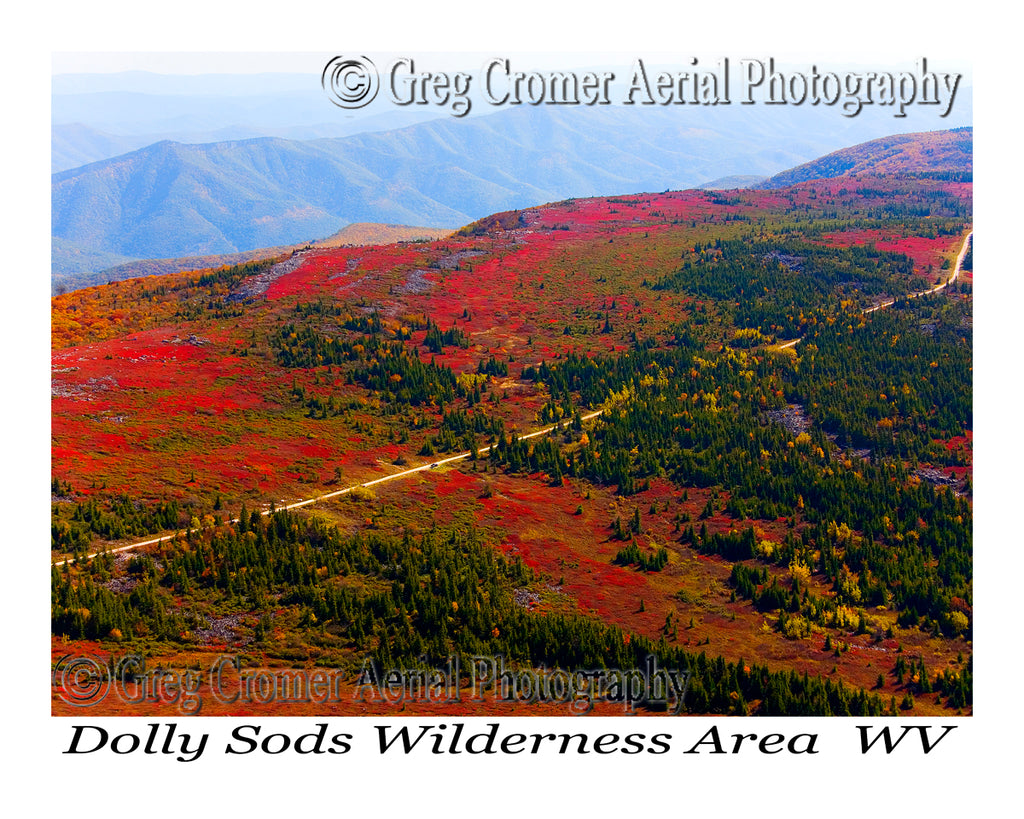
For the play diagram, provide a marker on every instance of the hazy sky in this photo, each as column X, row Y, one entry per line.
column 568, row 32
column 228, row 62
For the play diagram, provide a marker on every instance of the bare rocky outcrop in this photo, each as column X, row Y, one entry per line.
column 257, row 285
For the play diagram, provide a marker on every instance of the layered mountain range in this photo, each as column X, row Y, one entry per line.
column 170, row 199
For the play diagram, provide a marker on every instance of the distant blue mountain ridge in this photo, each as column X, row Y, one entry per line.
column 170, row 199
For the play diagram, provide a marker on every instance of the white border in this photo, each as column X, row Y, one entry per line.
column 839, row 783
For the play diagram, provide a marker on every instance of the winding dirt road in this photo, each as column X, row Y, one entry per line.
column 484, row 450
column 953, row 277
column 367, row 484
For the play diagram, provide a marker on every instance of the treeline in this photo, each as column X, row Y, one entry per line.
column 397, row 375
column 402, row 378
column 232, row 274
column 701, row 419
column 894, row 381
column 422, row 599
column 207, row 295
column 84, row 609
column 370, row 322
column 891, row 199
column 304, row 346
column 778, row 286
column 913, row 552
column 930, row 228
column 465, row 431
column 108, row 519
column 968, row 262
column 633, row 555
column 797, row 607
column 437, row 339
column 217, row 281
column 589, row 381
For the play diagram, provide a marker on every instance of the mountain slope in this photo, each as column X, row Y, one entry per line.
column 170, row 200
column 929, row 152
column 75, row 144
column 779, row 504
